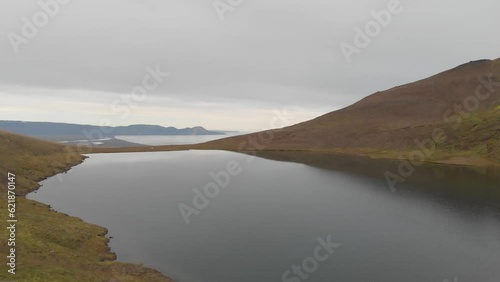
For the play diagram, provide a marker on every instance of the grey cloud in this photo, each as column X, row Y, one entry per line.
column 273, row 52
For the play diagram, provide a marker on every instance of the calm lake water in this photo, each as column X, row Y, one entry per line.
column 442, row 223
column 158, row 140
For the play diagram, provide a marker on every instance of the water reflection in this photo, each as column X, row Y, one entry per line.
column 476, row 187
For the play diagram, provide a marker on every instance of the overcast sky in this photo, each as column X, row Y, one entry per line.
column 264, row 56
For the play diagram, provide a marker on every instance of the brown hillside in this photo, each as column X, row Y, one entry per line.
column 390, row 119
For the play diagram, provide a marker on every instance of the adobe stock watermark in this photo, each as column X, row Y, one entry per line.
column 221, row 179
column 454, row 280
column 31, row 27
column 150, row 82
column 310, row 264
column 364, row 37
column 122, row 107
column 222, row 7
column 406, row 168
column 260, row 140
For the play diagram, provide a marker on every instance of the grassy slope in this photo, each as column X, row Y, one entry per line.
column 52, row 246
column 386, row 123
column 476, row 142
column 478, row 136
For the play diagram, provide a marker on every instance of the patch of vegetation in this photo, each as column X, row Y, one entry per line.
column 479, row 134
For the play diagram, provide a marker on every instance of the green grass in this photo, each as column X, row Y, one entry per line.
column 475, row 142
column 479, row 134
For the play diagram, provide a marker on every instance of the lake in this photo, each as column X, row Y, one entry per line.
column 287, row 217
column 158, row 140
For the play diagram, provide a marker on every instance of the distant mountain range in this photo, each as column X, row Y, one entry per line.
column 68, row 132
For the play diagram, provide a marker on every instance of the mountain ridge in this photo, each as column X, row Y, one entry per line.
column 68, row 131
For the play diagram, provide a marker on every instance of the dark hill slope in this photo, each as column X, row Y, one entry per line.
column 394, row 118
